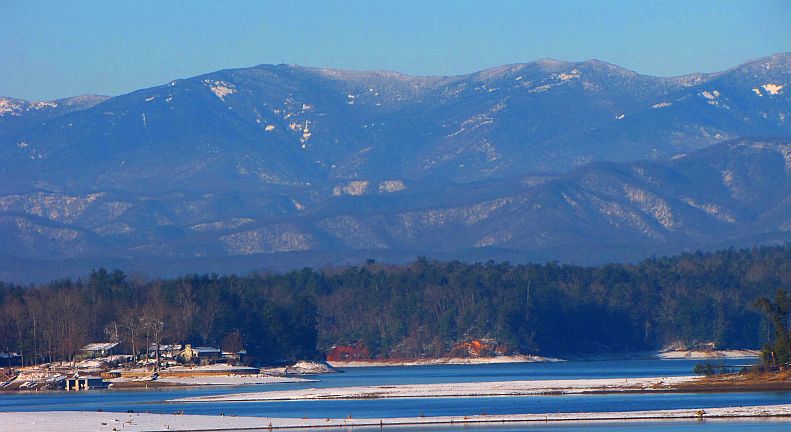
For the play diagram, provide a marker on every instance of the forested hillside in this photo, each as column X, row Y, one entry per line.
column 421, row 309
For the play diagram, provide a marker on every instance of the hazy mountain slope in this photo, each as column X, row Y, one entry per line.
column 731, row 194
column 291, row 125
column 17, row 115
column 525, row 161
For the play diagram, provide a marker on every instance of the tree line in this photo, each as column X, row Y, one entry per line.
column 414, row 310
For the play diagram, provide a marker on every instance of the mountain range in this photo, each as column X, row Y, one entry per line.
column 282, row 166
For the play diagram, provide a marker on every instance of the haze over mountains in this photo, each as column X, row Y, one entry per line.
column 285, row 166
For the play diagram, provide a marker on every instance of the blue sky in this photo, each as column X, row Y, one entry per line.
column 51, row 49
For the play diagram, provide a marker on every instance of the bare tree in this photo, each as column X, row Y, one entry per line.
column 233, row 342
column 70, row 325
column 154, row 327
column 154, row 314
column 188, row 309
column 130, row 323
column 16, row 313
column 210, row 310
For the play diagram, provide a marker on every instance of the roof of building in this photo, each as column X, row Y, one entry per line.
column 99, row 346
column 163, row 347
column 206, row 350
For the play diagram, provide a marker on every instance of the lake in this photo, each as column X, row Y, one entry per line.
column 154, row 400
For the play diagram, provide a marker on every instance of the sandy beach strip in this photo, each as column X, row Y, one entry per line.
column 445, row 361
column 232, row 380
column 707, row 355
column 74, row 421
column 206, row 380
column 472, row 389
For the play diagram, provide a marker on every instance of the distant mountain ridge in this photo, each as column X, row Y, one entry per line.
column 17, row 115
column 527, row 161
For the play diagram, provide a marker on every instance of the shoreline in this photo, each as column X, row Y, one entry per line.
column 733, row 383
column 209, row 380
column 458, row 390
column 444, row 361
column 44, row 379
column 68, row 421
column 706, row 355
column 731, row 354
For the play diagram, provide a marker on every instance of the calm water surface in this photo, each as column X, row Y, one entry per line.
column 154, row 400
column 646, row 426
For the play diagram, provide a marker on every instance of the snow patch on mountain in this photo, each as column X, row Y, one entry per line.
column 496, row 238
column 785, row 150
column 353, row 232
column 730, row 181
column 773, row 89
column 52, row 206
column 8, row 106
column 468, row 215
column 222, row 225
column 727, row 178
column 56, row 234
column 711, row 209
column 390, row 186
column 353, row 188
column 618, row 216
column 651, row 204
column 541, row 89
column 306, row 134
column 478, row 120
column 16, row 107
column 46, row 104
column 569, row 75
column 116, row 228
column 220, row 88
column 274, row 238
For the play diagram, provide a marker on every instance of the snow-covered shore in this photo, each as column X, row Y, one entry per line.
column 217, row 374
column 305, row 367
column 229, row 380
column 706, row 354
column 74, row 421
column 445, row 361
column 472, row 389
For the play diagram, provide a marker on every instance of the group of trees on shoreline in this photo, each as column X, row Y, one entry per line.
column 53, row 321
column 777, row 350
column 414, row 310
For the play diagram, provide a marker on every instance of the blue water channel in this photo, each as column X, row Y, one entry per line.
column 155, row 400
